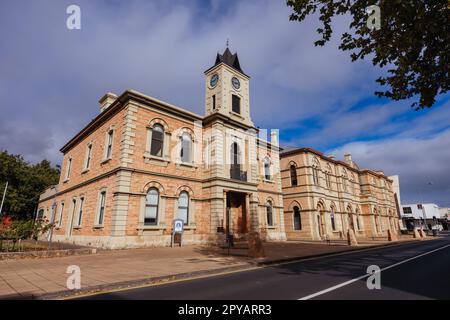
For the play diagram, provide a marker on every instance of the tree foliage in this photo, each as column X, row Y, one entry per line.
column 26, row 183
column 413, row 42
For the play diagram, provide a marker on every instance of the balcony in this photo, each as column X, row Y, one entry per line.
column 237, row 174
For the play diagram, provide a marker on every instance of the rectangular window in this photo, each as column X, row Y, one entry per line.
column 214, row 101
column 61, row 212
column 80, row 212
column 101, row 212
column 236, row 104
column 69, row 168
column 87, row 162
column 109, row 144
column 407, row 210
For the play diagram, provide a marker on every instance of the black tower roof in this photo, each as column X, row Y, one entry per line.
column 229, row 59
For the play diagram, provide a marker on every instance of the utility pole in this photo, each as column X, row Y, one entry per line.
column 3, row 199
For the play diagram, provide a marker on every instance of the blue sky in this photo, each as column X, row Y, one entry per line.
column 51, row 79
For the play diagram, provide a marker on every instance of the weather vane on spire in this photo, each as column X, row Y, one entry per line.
column 228, row 42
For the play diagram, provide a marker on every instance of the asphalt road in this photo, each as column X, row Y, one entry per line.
column 418, row 270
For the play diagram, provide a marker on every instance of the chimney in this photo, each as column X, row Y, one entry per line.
column 106, row 101
column 274, row 137
column 348, row 159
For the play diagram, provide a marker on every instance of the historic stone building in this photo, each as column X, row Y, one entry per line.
column 325, row 198
column 143, row 162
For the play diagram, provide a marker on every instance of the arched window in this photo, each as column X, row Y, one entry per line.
column 269, row 212
column 352, row 184
column 157, row 145
column 297, row 219
column 183, row 207
column 186, row 147
column 151, row 207
column 328, row 176
column 267, row 175
column 344, row 180
column 333, row 219
column 315, row 171
column 293, row 171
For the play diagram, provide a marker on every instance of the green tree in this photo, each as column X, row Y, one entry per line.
column 26, row 182
column 413, row 42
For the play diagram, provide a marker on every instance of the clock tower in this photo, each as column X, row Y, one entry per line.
column 227, row 89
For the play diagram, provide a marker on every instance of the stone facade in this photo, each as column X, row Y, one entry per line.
column 325, row 198
column 142, row 162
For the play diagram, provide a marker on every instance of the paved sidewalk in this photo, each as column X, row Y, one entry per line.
column 27, row 278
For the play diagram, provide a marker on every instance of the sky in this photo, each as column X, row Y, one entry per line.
column 51, row 79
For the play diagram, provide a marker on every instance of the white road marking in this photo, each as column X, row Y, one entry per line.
column 367, row 275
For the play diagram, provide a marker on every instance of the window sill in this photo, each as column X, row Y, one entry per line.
column 268, row 181
column 155, row 227
column 77, row 227
column 98, row 226
column 85, row 171
column 106, row 160
column 186, row 164
column 150, row 157
column 271, row 227
column 66, row 180
column 236, row 114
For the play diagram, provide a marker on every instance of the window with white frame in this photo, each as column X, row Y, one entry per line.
column 186, row 148
column 60, row 216
column 157, row 142
column 183, row 207
column 109, row 144
column 101, row 208
column 80, row 212
column 87, row 161
column 68, row 169
column 151, row 207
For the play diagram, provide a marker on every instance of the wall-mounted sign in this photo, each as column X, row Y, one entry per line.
column 178, row 226
column 177, row 229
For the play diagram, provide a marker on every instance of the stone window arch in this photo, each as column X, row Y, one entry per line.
column 158, row 138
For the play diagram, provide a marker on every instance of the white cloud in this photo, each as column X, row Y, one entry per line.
column 417, row 161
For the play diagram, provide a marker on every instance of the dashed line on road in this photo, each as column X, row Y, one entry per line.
column 346, row 283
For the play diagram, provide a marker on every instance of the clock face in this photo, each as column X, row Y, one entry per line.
column 214, row 80
column 235, row 82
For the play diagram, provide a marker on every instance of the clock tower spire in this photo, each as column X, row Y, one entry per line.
column 227, row 89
